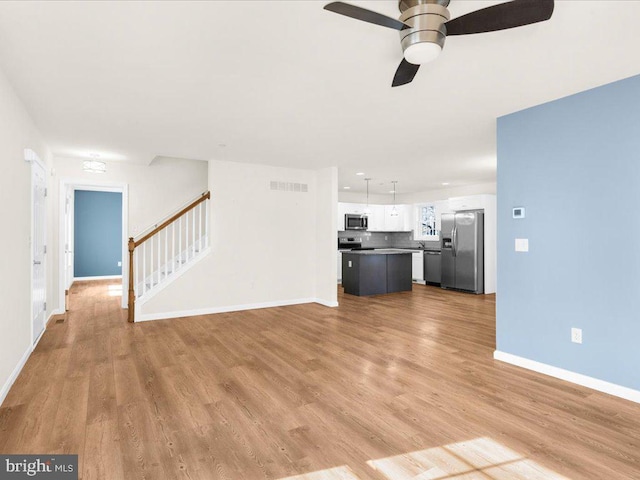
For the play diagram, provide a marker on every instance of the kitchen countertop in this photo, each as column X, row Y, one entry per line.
column 405, row 249
column 381, row 251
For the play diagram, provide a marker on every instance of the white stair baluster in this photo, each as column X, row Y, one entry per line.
column 144, row 268
column 173, row 247
column 200, row 226
column 159, row 248
column 136, row 271
column 206, row 222
column 193, row 233
column 180, row 244
column 166, row 252
column 186, row 235
column 152, row 272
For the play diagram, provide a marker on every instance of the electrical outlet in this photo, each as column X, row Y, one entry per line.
column 576, row 335
column 119, row 264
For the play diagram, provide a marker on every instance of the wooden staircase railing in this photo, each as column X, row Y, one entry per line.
column 192, row 238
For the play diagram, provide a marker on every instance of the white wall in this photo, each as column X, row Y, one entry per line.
column 449, row 192
column 268, row 247
column 17, row 132
column 326, row 226
column 155, row 191
column 357, row 197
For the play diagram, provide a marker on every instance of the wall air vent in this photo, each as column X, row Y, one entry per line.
column 289, row 186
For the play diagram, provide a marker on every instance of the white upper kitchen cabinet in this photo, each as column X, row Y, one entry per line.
column 397, row 223
column 376, row 218
column 380, row 218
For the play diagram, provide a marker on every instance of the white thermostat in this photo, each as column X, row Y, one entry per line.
column 518, row 212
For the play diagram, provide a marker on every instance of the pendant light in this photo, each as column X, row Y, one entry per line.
column 367, row 210
column 394, row 210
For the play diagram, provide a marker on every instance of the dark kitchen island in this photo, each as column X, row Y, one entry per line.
column 374, row 272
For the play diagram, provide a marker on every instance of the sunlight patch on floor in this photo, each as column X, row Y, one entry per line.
column 115, row 290
column 478, row 459
column 337, row 473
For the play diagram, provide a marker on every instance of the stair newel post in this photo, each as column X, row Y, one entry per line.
column 132, row 293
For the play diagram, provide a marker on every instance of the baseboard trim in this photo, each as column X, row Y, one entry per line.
column 53, row 314
column 57, row 311
column 14, row 375
column 91, row 279
column 326, row 303
column 569, row 376
column 231, row 308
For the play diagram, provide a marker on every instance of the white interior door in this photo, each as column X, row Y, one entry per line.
column 68, row 238
column 39, row 282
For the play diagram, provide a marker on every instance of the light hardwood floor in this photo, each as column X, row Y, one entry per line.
column 391, row 387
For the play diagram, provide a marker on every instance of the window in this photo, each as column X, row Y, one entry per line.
column 427, row 219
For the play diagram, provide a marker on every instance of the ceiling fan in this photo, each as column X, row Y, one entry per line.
column 425, row 24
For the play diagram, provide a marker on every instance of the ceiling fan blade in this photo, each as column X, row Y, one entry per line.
column 502, row 16
column 405, row 73
column 365, row 15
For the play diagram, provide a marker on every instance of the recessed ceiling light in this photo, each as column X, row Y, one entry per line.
column 360, row 173
column 347, row 188
column 391, row 191
column 445, row 183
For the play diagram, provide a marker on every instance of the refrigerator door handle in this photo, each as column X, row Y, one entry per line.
column 454, row 241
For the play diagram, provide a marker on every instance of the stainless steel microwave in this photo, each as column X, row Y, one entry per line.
column 354, row 221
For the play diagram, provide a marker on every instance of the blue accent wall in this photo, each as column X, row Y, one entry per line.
column 97, row 233
column 574, row 164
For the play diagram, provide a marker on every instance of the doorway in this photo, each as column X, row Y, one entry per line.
column 68, row 235
column 97, row 235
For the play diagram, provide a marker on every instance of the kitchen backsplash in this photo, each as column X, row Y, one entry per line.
column 387, row 239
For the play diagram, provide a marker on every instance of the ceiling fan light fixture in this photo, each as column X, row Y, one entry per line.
column 423, row 52
column 425, row 24
column 424, row 41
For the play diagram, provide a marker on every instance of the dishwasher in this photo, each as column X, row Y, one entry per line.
column 432, row 267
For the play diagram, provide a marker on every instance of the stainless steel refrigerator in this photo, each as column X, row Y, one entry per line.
column 462, row 238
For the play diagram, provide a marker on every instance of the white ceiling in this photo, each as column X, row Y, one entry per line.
column 287, row 83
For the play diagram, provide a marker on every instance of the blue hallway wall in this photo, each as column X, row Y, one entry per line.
column 574, row 164
column 97, row 233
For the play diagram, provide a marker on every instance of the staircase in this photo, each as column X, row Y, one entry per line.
column 163, row 254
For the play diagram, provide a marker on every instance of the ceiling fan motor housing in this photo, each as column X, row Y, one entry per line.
column 427, row 24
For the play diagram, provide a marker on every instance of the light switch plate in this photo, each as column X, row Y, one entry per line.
column 522, row 244
column 576, row 335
